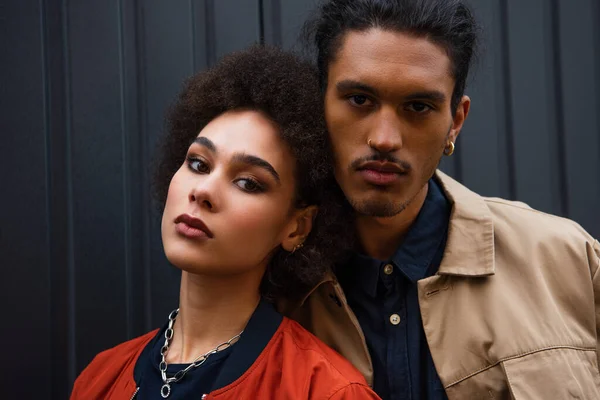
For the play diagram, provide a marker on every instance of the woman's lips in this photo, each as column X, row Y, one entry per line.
column 192, row 227
column 189, row 231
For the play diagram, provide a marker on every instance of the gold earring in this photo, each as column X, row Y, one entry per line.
column 449, row 150
column 298, row 246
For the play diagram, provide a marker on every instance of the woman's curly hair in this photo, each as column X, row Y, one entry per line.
column 285, row 88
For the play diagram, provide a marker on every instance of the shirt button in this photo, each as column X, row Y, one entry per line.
column 395, row 319
column 388, row 269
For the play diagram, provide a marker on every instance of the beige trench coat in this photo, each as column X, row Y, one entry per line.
column 513, row 312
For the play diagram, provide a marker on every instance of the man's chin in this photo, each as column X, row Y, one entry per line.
column 377, row 208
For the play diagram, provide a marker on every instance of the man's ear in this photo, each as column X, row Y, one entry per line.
column 299, row 228
column 460, row 116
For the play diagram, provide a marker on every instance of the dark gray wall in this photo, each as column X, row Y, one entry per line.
column 83, row 91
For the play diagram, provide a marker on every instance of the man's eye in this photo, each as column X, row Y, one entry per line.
column 197, row 165
column 418, row 107
column 359, row 100
column 249, row 185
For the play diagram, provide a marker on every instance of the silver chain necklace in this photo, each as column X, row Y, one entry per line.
column 165, row 390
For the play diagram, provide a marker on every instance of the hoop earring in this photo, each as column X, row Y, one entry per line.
column 297, row 247
column 449, row 150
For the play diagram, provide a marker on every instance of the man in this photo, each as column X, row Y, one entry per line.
column 450, row 295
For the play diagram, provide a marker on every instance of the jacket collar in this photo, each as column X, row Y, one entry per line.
column 470, row 244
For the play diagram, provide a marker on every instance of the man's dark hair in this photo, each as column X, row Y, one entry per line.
column 448, row 23
column 285, row 89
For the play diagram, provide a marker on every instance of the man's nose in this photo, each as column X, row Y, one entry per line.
column 386, row 136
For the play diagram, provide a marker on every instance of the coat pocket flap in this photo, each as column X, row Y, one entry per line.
column 557, row 373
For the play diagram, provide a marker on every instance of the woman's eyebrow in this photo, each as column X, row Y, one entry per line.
column 256, row 162
column 206, row 142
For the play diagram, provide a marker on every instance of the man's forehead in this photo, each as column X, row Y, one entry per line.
column 391, row 61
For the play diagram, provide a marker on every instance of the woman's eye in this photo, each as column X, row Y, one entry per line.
column 359, row 100
column 418, row 107
column 249, row 185
column 197, row 165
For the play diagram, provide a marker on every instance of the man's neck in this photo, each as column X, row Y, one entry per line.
column 212, row 310
column 380, row 237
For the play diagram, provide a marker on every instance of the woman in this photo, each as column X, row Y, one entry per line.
column 240, row 221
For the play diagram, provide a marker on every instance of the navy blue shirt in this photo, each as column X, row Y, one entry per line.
column 218, row 370
column 384, row 297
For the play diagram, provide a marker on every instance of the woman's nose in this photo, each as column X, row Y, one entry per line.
column 204, row 193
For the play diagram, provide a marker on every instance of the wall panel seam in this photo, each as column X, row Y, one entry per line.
column 140, row 60
column 561, row 150
column 72, row 295
column 509, row 125
column 125, row 171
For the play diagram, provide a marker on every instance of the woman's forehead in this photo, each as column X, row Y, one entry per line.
column 248, row 132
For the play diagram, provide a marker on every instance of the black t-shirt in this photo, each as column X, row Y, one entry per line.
column 219, row 370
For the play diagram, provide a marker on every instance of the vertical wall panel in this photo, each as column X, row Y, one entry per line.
column 24, row 218
column 135, row 202
column 284, row 19
column 533, row 105
column 484, row 156
column 580, row 108
column 237, row 25
column 97, row 156
column 62, row 268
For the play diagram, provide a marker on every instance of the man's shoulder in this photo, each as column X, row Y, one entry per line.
column 518, row 217
column 513, row 217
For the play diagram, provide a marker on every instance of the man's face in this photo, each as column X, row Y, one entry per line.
column 388, row 112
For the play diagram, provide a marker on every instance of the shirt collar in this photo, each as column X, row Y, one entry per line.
column 425, row 236
column 413, row 257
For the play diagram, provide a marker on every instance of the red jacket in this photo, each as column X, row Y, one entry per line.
column 294, row 365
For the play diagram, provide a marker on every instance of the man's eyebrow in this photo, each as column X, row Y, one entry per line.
column 432, row 95
column 256, row 162
column 206, row 142
column 348, row 85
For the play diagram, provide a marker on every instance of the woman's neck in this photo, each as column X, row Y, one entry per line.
column 212, row 310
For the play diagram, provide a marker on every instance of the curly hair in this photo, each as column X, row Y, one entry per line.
column 285, row 88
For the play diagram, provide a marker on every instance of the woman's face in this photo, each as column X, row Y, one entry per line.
column 231, row 202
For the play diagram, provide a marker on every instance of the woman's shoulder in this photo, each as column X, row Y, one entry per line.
column 124, row 351
column 108, row 365
column 328, row 369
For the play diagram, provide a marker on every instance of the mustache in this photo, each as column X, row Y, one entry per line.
column 380, row 157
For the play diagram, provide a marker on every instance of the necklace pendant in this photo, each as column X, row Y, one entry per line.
column 165, row 390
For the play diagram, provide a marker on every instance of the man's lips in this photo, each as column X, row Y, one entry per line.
column 191, row 226
column 383, row 167
column 381, row 173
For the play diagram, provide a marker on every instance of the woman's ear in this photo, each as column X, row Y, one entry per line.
column 299, row 228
